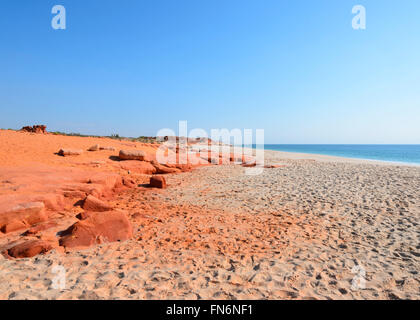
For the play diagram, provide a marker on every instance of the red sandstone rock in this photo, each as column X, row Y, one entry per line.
column 35, row 129
column 181, row 167
column 15, row 217
column 74, row 194
column 98, row 227
column 164, row 169
column 51, row 201
column 98, row 185
column 41, row 227
column 142, row 167
column 106, row 182
column 130, row 183
column 14, row 226
column 37, row 176
column 94, row 148
column 70, row 152
column 84, row 215
column 107, row 148
column 158, row 182
column 79, row 191
column 132, row 155
column 29, row 249
column 94, row 204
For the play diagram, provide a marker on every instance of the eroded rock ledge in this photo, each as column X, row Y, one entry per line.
column 45, row 207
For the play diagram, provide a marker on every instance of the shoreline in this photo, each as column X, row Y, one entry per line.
column 331, row 158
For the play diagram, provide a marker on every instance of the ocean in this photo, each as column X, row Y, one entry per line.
column 403, row 153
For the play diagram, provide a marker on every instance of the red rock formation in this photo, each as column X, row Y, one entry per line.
column 83, row 215
column 56, row 188
column 98, row 227
column 164, row 169
column 108, row 181
column 40, row 227
column 158, row 182
column 94, row 148
column 107, row 148
column 130, row 183
column 15, row 217
column 70, row 152
column 29, row 249
column 132, row 155
column 142, row 167
column 94, row 204
column 35, row 129
column 39, row 190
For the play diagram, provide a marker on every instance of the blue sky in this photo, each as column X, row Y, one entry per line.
column 294, row 68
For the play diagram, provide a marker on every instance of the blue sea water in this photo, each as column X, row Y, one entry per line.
column 403, row 153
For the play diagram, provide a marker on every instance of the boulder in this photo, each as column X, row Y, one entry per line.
column 157, row 182
column 29, row 249
column 132, row 155
column 98, row 227
column 70, row 152
column 94, row 148
column 94, row 204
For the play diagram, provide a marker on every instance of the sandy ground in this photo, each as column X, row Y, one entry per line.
column 315, row 228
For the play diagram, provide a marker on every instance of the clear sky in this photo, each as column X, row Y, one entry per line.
column 295, row 68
